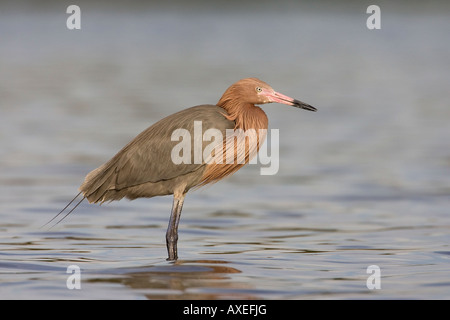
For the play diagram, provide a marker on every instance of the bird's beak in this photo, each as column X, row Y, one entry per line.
column 281, row 98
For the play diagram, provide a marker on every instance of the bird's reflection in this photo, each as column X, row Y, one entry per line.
column 183, row 279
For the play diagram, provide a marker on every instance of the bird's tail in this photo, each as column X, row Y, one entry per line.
column 99, row 184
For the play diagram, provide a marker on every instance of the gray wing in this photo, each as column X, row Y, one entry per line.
column 147, row 158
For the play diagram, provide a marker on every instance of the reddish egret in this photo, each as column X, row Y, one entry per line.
column 144, row 167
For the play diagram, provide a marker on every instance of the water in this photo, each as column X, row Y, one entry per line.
column 364, row 181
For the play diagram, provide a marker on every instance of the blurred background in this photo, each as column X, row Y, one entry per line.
column 363, row 181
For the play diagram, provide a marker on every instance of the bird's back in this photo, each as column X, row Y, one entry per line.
column 145, row 168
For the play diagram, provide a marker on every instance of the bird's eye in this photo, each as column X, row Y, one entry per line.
column 258, row 89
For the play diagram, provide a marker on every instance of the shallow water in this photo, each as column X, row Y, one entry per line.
column 364, row 181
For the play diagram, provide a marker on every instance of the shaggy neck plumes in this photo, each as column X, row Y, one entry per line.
column 246, row 115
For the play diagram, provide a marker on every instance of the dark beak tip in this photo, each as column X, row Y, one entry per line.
column 306, row 107
column 303, row 105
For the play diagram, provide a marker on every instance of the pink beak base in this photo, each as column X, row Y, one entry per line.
column 281, row 98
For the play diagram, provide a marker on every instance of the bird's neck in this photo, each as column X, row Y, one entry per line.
column 245, row 115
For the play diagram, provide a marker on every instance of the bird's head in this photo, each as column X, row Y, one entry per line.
column 255, row 91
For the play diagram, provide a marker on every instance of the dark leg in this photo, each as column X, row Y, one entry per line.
column 172, row 229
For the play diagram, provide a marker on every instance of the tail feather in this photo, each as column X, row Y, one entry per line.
column 94, row 188
column 70, row 211
column 98, row 182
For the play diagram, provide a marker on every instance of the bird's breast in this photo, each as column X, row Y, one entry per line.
column 239, row 145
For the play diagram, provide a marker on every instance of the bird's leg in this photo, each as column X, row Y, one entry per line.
column 172, row 229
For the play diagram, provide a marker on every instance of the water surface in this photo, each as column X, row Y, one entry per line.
column 364, row 181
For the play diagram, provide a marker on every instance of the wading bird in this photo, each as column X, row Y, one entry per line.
column 145, row 167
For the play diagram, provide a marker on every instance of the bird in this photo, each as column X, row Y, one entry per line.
column 145, row 167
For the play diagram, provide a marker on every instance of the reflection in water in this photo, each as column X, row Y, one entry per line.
column 183, row 279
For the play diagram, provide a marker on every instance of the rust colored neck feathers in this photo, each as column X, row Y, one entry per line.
column 246, row 116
